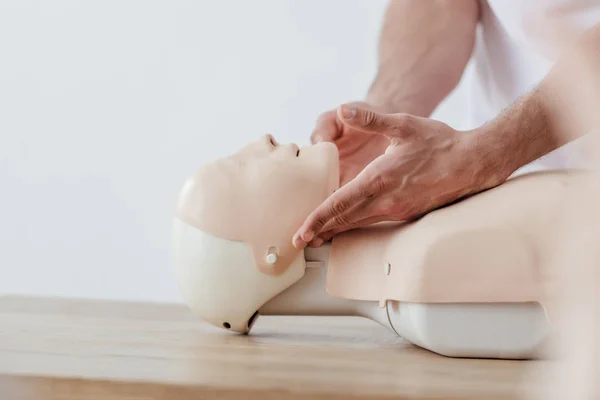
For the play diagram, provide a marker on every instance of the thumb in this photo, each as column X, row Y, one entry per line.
column 363, row 119
column 393, row 126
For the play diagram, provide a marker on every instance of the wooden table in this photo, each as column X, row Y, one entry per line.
column 81, row 349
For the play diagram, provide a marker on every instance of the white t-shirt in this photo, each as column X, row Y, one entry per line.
column 517, row 44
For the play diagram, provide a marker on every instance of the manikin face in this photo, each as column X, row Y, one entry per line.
column 234, row 223
column 261, row 195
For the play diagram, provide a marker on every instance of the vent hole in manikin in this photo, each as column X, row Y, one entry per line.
column 226, row 325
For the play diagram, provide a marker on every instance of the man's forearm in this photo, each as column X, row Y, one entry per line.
column 423, row 50
column 518, row 136
column 562, row 108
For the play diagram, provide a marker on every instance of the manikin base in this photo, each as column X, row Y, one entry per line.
column 506, row 331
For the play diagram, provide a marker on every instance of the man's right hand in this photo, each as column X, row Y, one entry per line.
column 356, row 148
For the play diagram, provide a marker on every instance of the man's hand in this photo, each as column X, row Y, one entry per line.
column 424, row 48
column 426, row 165
column 356, row 148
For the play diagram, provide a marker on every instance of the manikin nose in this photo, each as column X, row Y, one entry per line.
column 271, row 140
column 296, row 149
column 291, row 148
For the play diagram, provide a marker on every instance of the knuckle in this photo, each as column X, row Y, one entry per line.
column 379, row 184
column 318, row 220
column 369, row 118
column 339, row 206
column 401, row 121
column 403, row 124
column 375, row 186
column 319, row 223
column 340, row 220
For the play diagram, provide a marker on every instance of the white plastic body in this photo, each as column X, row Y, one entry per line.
column 220, row 283
column 507, row 331
column 218, row 279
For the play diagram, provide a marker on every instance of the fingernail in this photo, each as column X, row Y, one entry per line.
column 308, row 236
column 348, row 112
column 318, row 139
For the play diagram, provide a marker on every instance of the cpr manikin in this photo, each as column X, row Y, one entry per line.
column 467, row 280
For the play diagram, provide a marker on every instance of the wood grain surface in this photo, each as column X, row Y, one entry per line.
column 81, row 349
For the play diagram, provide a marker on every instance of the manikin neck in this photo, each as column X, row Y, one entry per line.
column 309, row 296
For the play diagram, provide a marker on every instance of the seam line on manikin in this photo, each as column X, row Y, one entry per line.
column 387, row 312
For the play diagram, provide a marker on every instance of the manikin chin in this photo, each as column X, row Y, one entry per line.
column 468, row 280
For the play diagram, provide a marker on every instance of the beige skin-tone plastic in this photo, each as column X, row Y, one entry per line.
column 489, row 248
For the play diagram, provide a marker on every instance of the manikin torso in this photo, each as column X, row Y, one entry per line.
column 482, row 330
column 444, row 282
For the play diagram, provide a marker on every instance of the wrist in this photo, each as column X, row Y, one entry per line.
column 488, row 156
column 518, row 136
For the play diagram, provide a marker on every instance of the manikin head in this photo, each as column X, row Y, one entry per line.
column 234, row 223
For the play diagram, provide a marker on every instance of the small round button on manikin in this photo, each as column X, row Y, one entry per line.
column 272, row 256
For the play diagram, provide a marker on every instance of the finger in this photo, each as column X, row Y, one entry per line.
column 364, row 209
column 369, row 121
column 327, row 128
column 366, row 185
column 337, row 204
column 327, row 235
column 373, row 208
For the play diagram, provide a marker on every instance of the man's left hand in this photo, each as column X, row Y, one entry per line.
column 427, row 165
